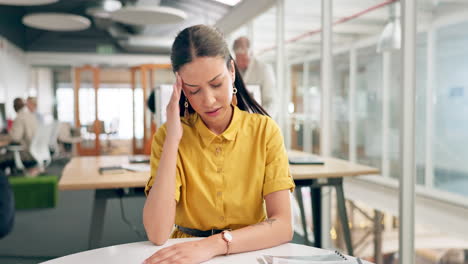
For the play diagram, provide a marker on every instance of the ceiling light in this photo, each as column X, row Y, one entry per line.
column 111, row 5
column 104, row 8
column 56, row 21
column 27, row 2
column 148, row 15
column 390, row 39
column 229, row 2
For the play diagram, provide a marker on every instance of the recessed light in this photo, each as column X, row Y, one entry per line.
column 56, row 21
column 148, row 15
column 104, row 8
column 229, row 2
column 27, row 2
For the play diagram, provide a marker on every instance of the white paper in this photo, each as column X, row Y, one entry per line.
column 315, row 259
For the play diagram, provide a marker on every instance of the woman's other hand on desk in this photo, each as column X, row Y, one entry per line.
column 192, row 252
column 174, row 126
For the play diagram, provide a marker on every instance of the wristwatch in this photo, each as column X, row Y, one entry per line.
column 227, row 236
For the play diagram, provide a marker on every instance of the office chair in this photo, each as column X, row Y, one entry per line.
column 40, row 146
column 67, row 139
column 53, row 139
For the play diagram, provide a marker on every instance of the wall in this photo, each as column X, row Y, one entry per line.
column 14, row 75
column 41, row 85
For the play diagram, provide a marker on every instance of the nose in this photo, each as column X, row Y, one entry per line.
column 209, row 98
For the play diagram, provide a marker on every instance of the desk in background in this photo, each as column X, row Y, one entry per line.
column 315, row 177
column 137, row 252
column 4, row 140
column 81, row 173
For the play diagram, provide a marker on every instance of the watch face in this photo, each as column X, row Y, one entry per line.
column 227, row 236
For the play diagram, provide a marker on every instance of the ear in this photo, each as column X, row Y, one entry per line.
column 233, row 71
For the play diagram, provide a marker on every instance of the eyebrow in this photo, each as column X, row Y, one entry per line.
column 194, row 85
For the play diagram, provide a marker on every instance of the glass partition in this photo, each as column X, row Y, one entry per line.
column 86, row 109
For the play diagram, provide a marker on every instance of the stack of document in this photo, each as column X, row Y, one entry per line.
column 304, row 159
column 138, row 167
column 111, row 170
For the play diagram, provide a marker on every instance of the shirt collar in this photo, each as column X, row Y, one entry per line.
column 229, row 134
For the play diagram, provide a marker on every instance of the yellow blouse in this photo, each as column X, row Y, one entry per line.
column 221, row 179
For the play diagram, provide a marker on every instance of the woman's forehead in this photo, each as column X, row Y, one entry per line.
column 202, row 69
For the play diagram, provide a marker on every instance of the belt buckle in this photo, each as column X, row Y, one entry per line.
column 212, row 231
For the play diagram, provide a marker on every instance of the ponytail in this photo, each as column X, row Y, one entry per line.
column 244, row 100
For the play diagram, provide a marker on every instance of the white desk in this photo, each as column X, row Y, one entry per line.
column 139, row 251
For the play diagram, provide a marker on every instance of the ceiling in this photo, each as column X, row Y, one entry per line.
column 364, row 19
column 104, row 35
column 302, row 25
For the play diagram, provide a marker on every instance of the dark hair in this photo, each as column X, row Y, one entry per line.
column 205, row 41
column 18, row 104
column 150, row 103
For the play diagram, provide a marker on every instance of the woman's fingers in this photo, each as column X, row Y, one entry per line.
column 178, row 85
column 179, row 82
column 177, row 89
column 162, row 256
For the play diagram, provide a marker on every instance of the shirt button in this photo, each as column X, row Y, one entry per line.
column 219, row 170
column 220, row 193
column 221, row 218
column 218, row 150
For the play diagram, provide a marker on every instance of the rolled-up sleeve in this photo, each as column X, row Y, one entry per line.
column 156, row 151
column 277, row 173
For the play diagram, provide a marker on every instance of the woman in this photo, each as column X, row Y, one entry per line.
column 219, row 162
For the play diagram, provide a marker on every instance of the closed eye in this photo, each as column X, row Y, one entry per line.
column 216, row 85
column 194, row 92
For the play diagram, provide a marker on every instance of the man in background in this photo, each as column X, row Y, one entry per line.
column 22, row 132
column 25, row 124
column 255, row 72
column 31, row 103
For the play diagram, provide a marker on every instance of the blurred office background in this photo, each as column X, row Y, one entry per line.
column 111, row 64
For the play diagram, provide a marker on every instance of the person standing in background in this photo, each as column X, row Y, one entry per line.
column 256, row 72
column 31, row 103
column 22, row 132
column 25, row 124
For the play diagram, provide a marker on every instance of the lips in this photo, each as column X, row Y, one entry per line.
column 213, row 112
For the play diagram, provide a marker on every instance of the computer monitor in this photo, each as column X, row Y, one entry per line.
column 163, row 94
column 3, row 121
